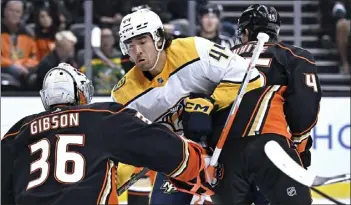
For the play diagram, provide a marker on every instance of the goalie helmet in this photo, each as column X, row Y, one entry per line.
column 65, row 85
column 259, row 18
column 140, row 22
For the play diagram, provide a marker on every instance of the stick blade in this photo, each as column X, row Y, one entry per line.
column 286, row 164
column 320, row 181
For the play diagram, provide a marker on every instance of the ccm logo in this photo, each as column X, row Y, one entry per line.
column 196, row 107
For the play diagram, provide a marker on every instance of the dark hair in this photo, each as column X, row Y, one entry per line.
column 53, row 29
column 161, row 33
column 210, row 8
column 166, row 36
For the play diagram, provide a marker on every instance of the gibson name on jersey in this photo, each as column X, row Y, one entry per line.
column 54, row 122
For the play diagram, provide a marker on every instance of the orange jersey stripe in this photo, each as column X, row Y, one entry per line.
column 104, row 184
column 113, row 199
column 152, row 175
column 302, row 146
column 194, row 164
column 275, row 120
column 297, row 56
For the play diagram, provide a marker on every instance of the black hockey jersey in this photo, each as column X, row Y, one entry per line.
column 288, row 104
column 68, row 155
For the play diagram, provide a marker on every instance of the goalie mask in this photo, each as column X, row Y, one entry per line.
column 65, row 85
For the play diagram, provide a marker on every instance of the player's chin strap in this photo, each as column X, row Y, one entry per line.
column 158, row 52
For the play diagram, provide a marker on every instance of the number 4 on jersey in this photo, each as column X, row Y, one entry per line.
column 310, row 80
column 217, row 52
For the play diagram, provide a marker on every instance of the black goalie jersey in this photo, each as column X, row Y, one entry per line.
column 68, row 155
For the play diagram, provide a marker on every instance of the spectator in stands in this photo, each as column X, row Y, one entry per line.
column 46, row 26
column 335, row 23
column 63, row 22
column 63, row 53
column 105, row 75
column 209, row 16
column 18, row 48
column 343, row 33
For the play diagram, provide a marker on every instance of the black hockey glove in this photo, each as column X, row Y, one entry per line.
column 306, row 154
column 197, row 121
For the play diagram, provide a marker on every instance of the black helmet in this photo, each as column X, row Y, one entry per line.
column 259, row 18
column 210, row 8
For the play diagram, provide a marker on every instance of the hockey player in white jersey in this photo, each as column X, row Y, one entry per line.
column 165, row 75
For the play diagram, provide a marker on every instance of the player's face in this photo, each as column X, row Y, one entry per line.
column 245, row 36
column 142, row 52
column 210, row 22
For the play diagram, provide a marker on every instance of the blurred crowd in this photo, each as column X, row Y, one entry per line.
column 335, row 27
column 37, row 35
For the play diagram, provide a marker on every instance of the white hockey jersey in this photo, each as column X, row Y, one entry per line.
column 193, row 64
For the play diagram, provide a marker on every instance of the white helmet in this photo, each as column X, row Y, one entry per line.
column 65, row 85
column 139, row 22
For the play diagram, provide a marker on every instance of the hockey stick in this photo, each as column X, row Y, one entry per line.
column 283, row 161
column 132, row 181
column 327, row 196
column 262, row 39
column 287, row 165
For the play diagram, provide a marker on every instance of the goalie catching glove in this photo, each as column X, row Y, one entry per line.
column 197, row 120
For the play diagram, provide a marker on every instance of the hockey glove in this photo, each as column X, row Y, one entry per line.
column 197, row 121
column 306, row 154
column 203, row 183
